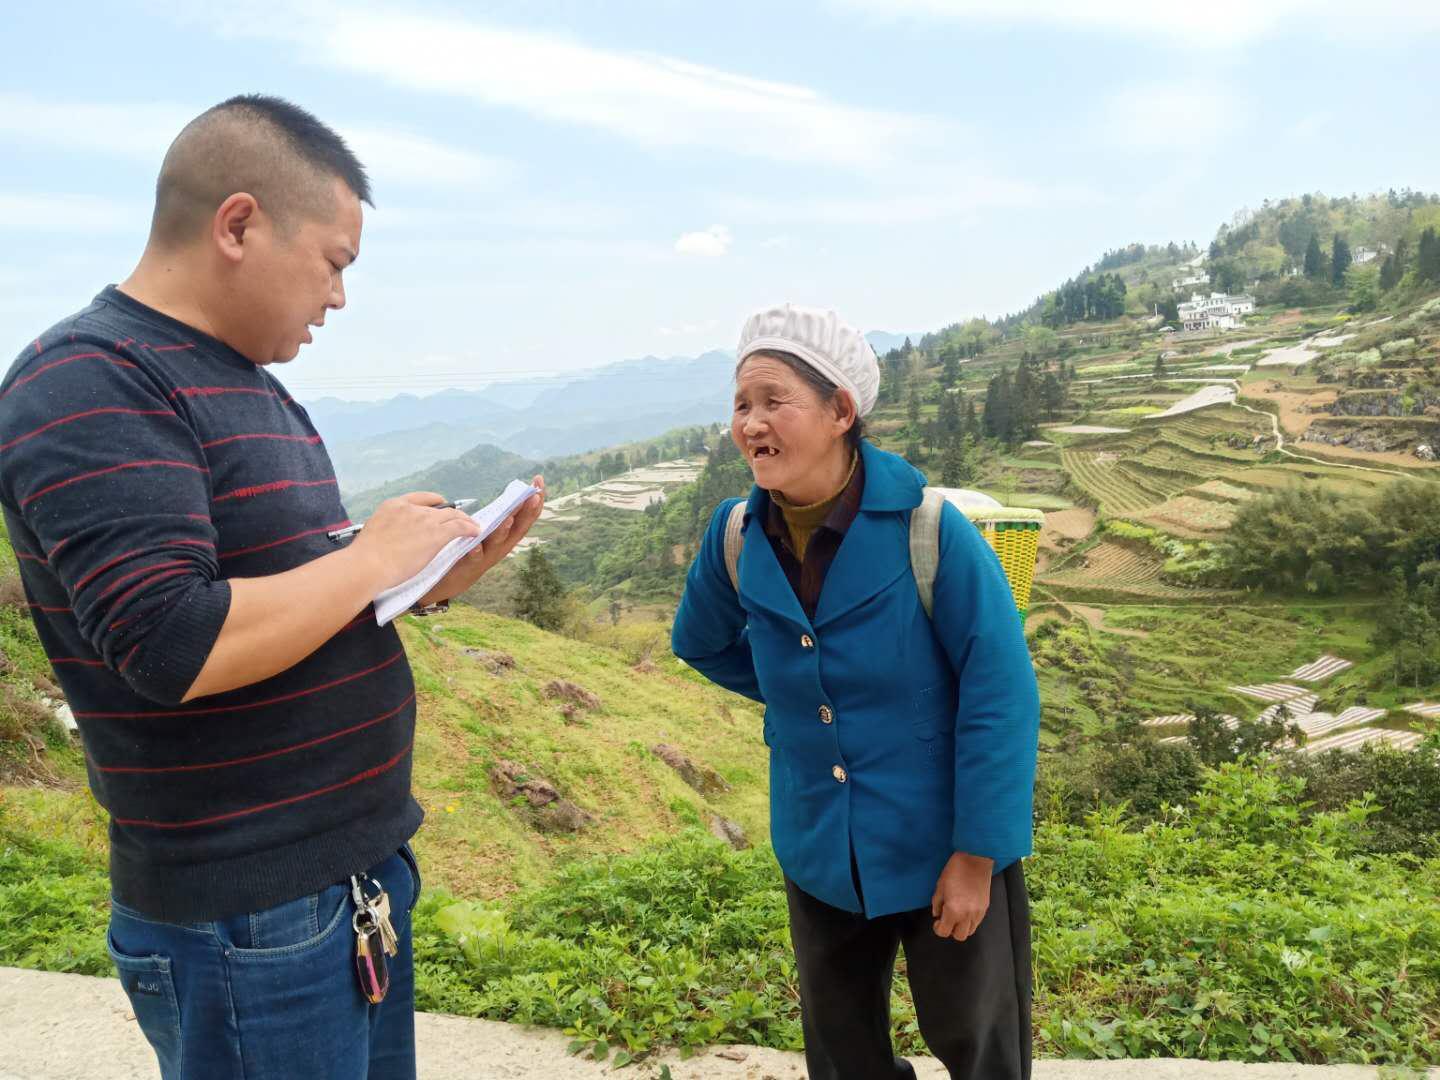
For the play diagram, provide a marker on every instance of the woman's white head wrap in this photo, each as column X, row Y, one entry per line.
column 818, row 337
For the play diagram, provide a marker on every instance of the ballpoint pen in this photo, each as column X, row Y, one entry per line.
column 351, row 530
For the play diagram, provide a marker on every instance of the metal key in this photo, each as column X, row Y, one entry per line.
column 379, row 907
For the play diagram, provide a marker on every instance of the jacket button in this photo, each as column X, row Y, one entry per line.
column 827, row 714
column 806, row 641
column 838, row 773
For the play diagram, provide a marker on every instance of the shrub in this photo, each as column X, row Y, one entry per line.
column 1405, row 787
column 1242, row 926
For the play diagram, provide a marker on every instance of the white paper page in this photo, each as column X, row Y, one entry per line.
column 402, row 597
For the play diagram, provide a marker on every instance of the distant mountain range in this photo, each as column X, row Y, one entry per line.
column 372, row 443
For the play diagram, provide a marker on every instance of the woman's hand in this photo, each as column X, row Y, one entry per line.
column 962, row 895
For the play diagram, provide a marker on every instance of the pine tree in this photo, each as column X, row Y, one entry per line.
column 969, row 425
column 1026, row 398
column 957, row 468
column 1053, row 392
column 1389, row 274
column 951, row 373
column 539, row 595
column 1314, row 258
column 948, row 419
column 912, row 408
column 1427, row 264
column 1340, row 260
column 1000, row 407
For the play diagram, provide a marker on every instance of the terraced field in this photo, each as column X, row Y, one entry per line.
column 1126, row 479
column 1098, row 474
column 1112, row 567
column 1190, row 516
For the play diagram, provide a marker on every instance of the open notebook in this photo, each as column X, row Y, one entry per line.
column 402, row 597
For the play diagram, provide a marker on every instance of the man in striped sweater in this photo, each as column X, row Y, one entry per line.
column 246, row 723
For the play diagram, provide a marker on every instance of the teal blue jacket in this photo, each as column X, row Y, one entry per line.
column 892, row 736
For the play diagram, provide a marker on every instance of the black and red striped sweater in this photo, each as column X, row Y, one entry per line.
column 142, row 464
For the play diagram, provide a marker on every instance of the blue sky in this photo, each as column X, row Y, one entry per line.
column 569, row 184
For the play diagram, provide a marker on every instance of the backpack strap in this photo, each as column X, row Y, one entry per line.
column 925, row 546
column 734, row 541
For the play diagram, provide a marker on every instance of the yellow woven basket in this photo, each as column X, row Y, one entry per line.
column 1014, row 533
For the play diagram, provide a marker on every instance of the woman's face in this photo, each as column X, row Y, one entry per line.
column 782, row 426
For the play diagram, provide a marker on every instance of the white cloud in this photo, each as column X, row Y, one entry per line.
column 140, row 131
column 962, row 199
column 1186, row 117
column 711, row 243
column 650, row 99
column 22, row 211
column 1219, row 25
column 689, row 329
column 398, row 157
column 144, row 132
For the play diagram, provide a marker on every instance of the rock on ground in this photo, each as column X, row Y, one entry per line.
column 700, row 777
column 73, row 1027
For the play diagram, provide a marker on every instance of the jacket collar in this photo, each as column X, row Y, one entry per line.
column 872, row 555
column 891, row 483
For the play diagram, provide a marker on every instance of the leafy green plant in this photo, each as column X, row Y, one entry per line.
column 1240, row 924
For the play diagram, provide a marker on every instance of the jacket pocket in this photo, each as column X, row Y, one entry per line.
column 930, row 711
column 151, row 990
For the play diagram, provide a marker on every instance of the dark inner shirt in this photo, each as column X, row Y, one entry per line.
column 807, row 577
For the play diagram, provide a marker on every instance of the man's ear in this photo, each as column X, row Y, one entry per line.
column 230, row 223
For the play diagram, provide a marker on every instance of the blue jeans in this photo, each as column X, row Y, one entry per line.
column 272, row 994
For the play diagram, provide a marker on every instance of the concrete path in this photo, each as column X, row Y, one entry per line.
column 71, row 1027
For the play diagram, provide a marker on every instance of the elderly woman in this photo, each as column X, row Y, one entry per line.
column 902, row 745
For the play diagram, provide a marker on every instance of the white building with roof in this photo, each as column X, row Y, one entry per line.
column 1200, row 277
column 1218, row 311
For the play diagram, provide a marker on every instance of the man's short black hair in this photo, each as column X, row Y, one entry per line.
column 257, row 143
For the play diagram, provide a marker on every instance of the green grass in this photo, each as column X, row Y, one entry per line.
column 478, row 844
column 1235, row 928
column 1029, row 463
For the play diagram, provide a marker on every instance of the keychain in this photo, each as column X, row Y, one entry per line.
column 374, row 939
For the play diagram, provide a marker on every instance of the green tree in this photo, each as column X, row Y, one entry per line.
column 969, row 425
column 1340, row 260
column 999, row 416
column 1228, row 274
column 1427, row 264
column 912, row 409
column 948, row 420
column 1363, row 283
column 539, row 595
column 958, row 466
column 1410, row 633
column 950, row 375
column 1314, row 257
column 1389, row 273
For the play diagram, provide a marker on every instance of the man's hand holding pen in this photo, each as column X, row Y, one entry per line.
column 491, row 551
column 406, row 532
